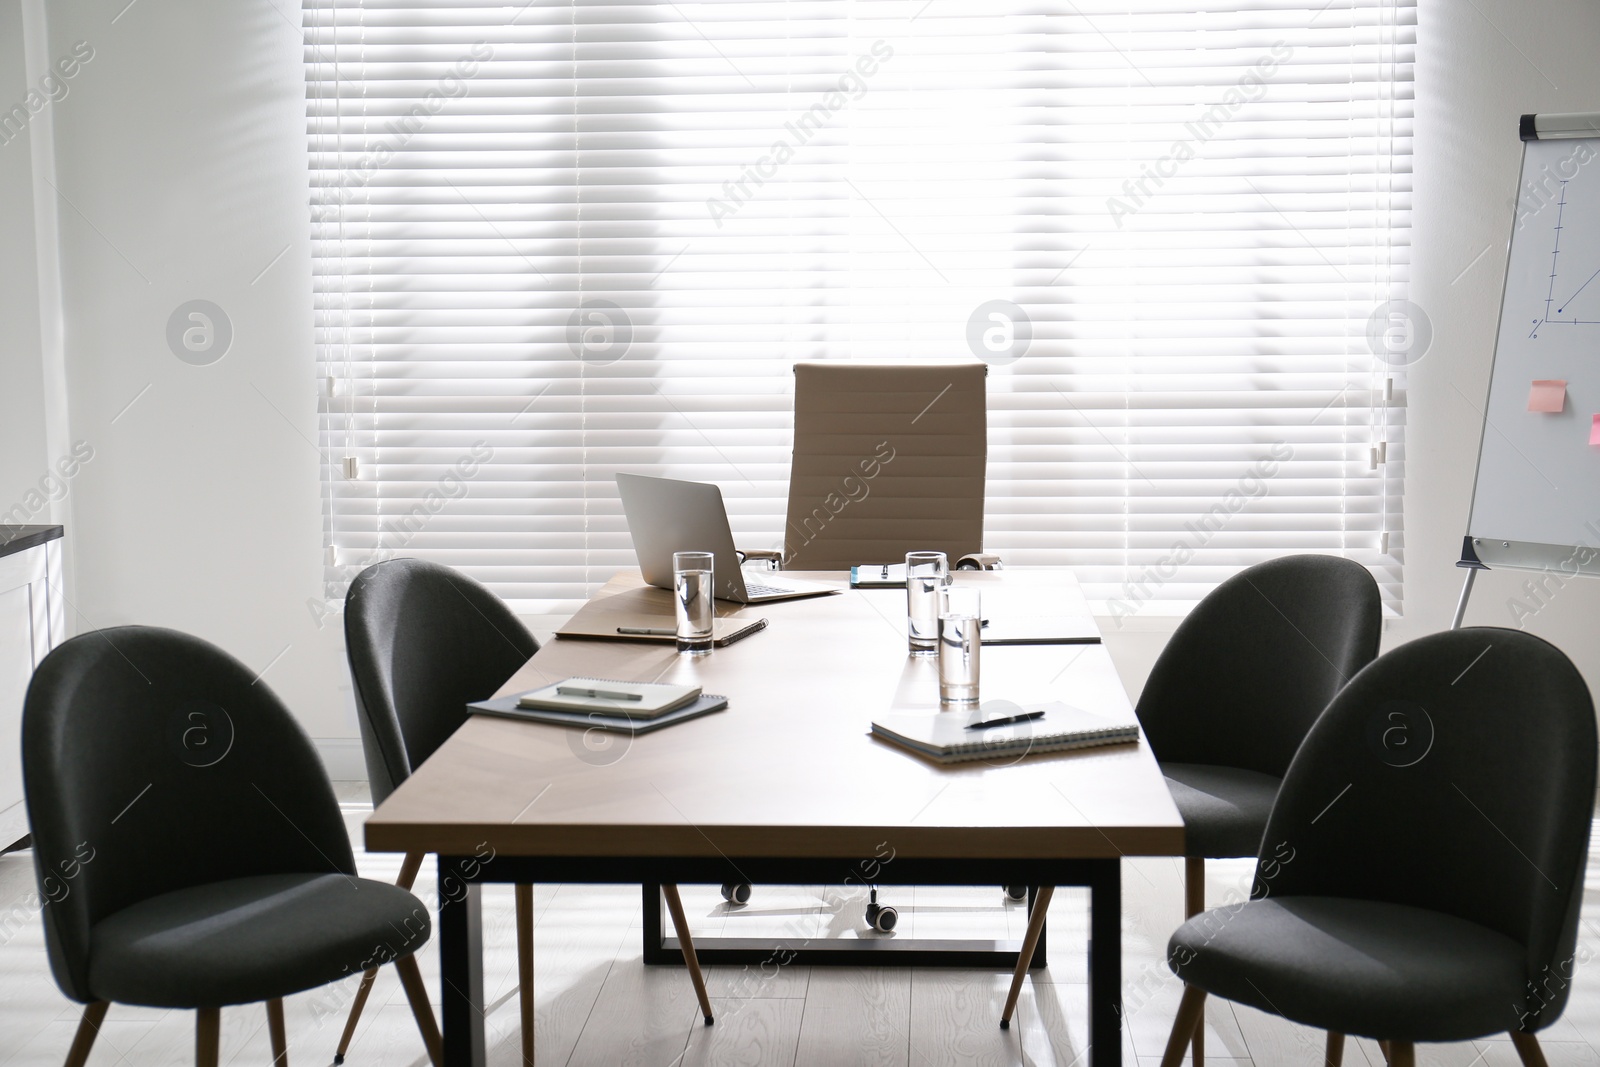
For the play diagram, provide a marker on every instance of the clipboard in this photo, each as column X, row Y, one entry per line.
column 648, row 608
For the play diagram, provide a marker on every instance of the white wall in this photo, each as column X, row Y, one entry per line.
column 181, row 148
column 22, row 431
column 181, row 151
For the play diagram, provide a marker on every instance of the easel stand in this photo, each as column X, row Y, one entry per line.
column 1469, row 562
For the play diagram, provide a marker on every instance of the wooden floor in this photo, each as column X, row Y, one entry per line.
column 599, row 1005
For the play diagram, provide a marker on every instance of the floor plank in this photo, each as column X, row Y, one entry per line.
column 753, row 1032
column 856, row 1015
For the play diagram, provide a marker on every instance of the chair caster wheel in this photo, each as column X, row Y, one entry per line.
column 736, row 892
column 881, row 917
column 1016, row 892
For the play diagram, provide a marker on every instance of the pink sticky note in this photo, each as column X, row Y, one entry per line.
column 1548, row 395
column 1594, row 431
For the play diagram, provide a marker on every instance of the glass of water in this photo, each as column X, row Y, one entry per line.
column 693, row 600
column 960, row 642
column 926, row 574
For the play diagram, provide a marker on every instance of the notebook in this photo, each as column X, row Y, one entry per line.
column 632, row 700
column 646, row 615
column 943, row 736
column 506, row 707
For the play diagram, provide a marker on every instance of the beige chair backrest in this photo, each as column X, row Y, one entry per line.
column 888, row 458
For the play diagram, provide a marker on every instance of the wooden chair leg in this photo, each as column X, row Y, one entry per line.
column 409, row 868
column 1335, row 1056
column 88, row 1029
column 1191, row 1014
column 1030, row 942
column 1383, row 1047
column 525, row 968
column 1401, row 1054
column 1194, row 902
column 355, row 1014
column 1527, row 1047
column 207, row 1036
column 408, row 874
column 417, row 994
column 275, row 1033
column 690, row 960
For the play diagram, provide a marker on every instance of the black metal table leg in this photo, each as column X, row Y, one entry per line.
column 461, row 965
column 1105, row 964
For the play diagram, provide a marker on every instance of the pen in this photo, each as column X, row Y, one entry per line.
column 598, row 694
column 1024, row 717
column 645, row 631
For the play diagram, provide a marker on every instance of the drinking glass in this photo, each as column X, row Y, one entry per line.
column 693, row 601
column 926, row 574
column 960, row 642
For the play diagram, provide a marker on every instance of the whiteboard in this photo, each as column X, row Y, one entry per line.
column 1536, row 500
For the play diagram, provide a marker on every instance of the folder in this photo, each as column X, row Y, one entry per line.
column 648, row 608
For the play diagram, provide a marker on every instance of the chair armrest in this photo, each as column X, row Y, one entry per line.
column 771, row 557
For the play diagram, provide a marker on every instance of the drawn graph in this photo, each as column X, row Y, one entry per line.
column 1566, row 304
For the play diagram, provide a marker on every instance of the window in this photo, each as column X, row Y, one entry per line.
column 554, row 241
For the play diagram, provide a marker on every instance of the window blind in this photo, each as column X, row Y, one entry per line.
column 557, row 240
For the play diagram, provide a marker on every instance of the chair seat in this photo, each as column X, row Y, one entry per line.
column 1386, row 971
column 250, row 939
column 1224, row 809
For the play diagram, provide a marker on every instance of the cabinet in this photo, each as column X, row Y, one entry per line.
column 32, row 622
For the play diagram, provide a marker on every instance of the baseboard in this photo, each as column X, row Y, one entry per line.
column 342, row 757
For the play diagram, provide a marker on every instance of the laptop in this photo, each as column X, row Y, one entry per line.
column 666, row 516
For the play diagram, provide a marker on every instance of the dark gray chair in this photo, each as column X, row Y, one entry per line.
column 423, row 642
column 1422, row 870
column 189, row 843
column 1236, row 688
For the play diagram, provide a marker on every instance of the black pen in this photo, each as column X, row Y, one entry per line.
column 1024, row 717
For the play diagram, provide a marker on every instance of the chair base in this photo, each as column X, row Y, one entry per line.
column 1190, row 1019
column 208, row 1025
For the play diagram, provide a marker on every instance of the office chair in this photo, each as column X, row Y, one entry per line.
column 423, row 642
column 1233, row 693
column 1422, row 871
column 190, row 845
column 888, row 458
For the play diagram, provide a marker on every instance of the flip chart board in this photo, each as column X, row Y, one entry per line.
column 1536, row 500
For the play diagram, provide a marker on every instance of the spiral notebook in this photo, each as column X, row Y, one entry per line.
column 944, row 737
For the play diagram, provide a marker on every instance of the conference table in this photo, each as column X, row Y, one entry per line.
column 787, row 787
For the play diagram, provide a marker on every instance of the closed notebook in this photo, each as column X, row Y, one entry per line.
column 633, row 700
column 878, row 576
column 506, row 707
column 943, row 736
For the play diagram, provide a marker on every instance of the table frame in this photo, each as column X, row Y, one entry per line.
column 461, row 924
column 885, row 951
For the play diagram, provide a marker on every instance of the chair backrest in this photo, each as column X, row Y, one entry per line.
column 154, row 761
column 423, row 641
column 1456, row 773
column 1253, row 665
column 888, row 459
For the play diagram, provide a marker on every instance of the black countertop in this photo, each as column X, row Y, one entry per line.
column 15, row 539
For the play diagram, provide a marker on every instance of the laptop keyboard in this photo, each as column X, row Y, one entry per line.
column 763, row 590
